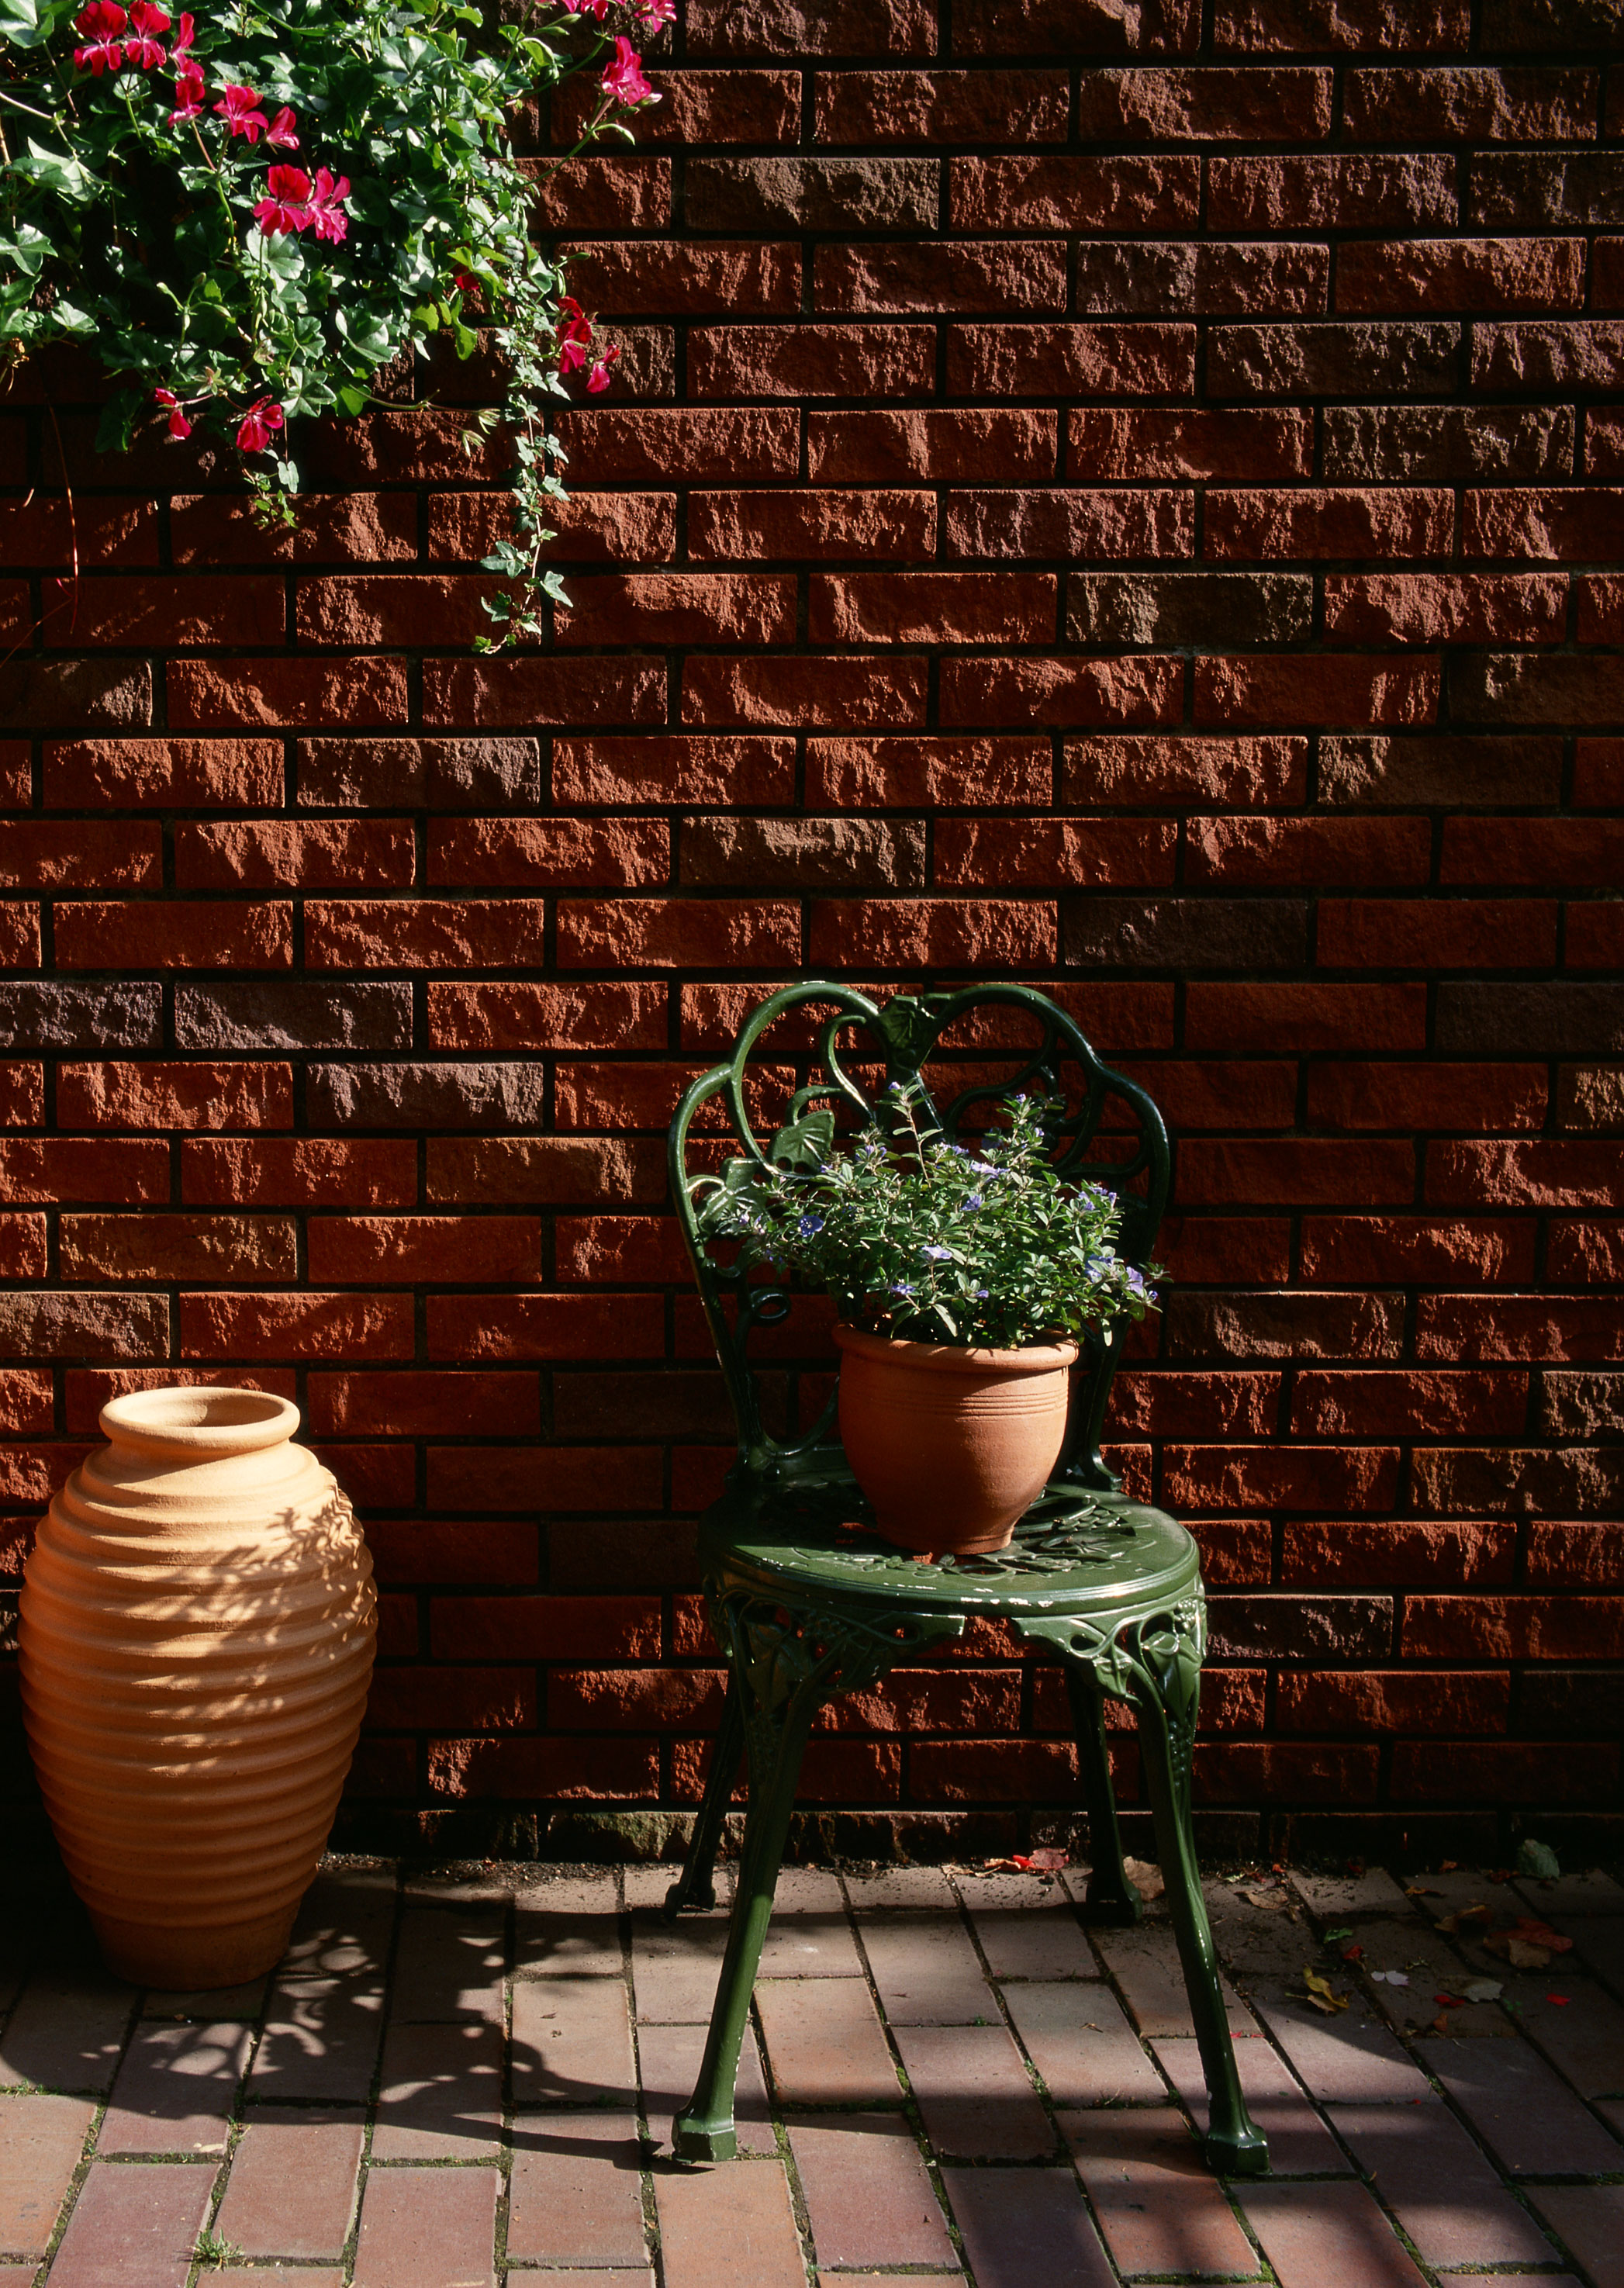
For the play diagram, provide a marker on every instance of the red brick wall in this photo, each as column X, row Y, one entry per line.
column 1116, row 495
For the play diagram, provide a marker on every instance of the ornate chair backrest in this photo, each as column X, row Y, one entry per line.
column 894, row 1040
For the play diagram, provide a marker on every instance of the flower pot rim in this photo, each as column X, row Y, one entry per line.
column 199, row 1422
column 957, row 1358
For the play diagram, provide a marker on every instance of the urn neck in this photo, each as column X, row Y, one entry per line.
column 198, row 1425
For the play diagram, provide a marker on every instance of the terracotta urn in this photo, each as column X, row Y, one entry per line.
column 951, row 1446
column 197, row 1630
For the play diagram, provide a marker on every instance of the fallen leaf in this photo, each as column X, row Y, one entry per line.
column 1391, row 1977
column 1462, row 1917
column 1420, row 1891
column 1343, row 1930
column 1268, row 1896
column 1538, row 1859
column 1441, row 2025
column 1450, row 2001
column 1145, row 1876
column 1051, row 1856
column 1322, row 1994
column 1529, row 1928
column 1561, row 2000
column 1447, row 1866
column 1353, row 1954
column 1521, row 1953
column 1485, row 1989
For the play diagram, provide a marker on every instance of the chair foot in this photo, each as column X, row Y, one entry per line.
column 1237, row 2153
column 1111, row 1903
column 685, row 1894
column 693, row 2139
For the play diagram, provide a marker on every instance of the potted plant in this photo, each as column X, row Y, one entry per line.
column 963, row 1276
column 247, row 213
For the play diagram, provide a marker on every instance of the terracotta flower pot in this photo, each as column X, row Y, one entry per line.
column 197, row 1630
column 951, row 1446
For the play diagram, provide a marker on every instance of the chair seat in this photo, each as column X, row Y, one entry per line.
column 806, row 1532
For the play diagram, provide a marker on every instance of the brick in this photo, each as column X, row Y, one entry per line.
column 1089, row 525
column 1155, row 2200
column 80, row 694
column 973, row 2094
column 1188, row 607
column 1529, row 1480
column 429, row 773
column 1214, row 104
column 277, row 694
column 304, row 1325
column 686, row 770
column 1182, row 443
column 679, row 607
column 1437, row 444
column 577, row 2201
column 413, row 1249
column 1301, row 1016
column 175, row 2089
column 1531, row 1174
column 1451, row 103
column 81, row 855
column 293, row 2182
column 1528, row 2117
column 316, row 1171
column 1341, row 691
column 869, row 2196
column 1303, row 2227
column 48, row 1016
column 1436, row 933
column 1581, row 1254
column 1268, row 852
column 1587, row 2219
column 331, row 527
column 1467, row 275
column 1507, row 1628
column 825, row 694
column 1389, row 1701
column 895, row 525
column 808, row 854
column 1575, row 354
column 699, row 106
column 136, row 614
column 942, row 107
column 1291, row 1326
column 135, row 2226
column 730, row 2227
column 1491, row 1252
column 42, row 531
column 423, row 1405
column 727, row 363
column 974, row 853
column 1568, row 187
column 824, row 2042
column 532, row 1169
column 903, row 933
column 703, row 444
column 1348, row 358
column 932, row 608
column 38, row 1324
column 1342, row 192
column 66, row 1168
column 424, row 2223
column 375, row 852
column 1099, row 360
column 296, row 1016
column 994, row 445
column 43, row 2138
column 1026, row 2224
column 191, row 936
column 1139, row 691
column 1446, row 771
column 1299, row 1172
column 1242, row 773
column 1071, row 194
column 811, row 194
column 928, row 773
column 503, row 1014
column 1514, row 1327
column 252, row 1250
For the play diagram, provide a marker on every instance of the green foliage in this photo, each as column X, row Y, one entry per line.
column 129, row 223
column 927, row 1240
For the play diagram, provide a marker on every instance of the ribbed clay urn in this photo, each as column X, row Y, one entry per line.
column 951, row 1445
column 197, row 1630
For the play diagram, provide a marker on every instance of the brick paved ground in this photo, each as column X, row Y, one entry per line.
column 454, row 2082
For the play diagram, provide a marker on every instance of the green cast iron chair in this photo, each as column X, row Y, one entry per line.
column 806, row 1604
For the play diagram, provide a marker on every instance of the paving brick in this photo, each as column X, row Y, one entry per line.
column 1434, row 2178
column 67, row 2030
column 810, row 1945
column 440, row 2095
column 134, row 2225
column 927, row 1971
column 1024, row 2225
column 1582, row 2036
column 899, row 1887
column 1033, row 1942
column 1144, row 1963
column 668, row 2062
column 868, row 2193
column 825, row 2046
column 41, row 2141
column 292, row 2191
column 1525, row 2114
column 1158, row 2205
column 174, row 2090
column 1300, row 2145
column 449, row 1966
column 674, row 1965
column 1081, row 2041
column 731, row 2227
column 974, row 2094
column 1312, row 2234
column 321, row 2039
column 216, row 2002
column 577, row 2190
column 1590, row 2219
column 428, row 2229
column 572, row 1928
column 1350, row 2060
column 1333, row 1898
column 571, row 2042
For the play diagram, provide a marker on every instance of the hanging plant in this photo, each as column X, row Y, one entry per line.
column 248, row 212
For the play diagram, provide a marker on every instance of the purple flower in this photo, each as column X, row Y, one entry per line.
column 809, row 1225
column 937, row 1255
column 974, row 1201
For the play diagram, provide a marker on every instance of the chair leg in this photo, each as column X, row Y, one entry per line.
column 703, row 2131
column 1111, row 1898
column 1235, row 2147
column 695, row 1887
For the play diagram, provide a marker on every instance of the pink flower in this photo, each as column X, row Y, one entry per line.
column 179, row 427
column 188, row 93
column 182, row 40
column 576, row 336
column 327, row 206
column 597, row 380
column 285, row 205
column 102, row 23
column 262, row 416
column 145, row 49
column 654, row 15
column 237, row 108
column 599, row 8
column 623, row 82
column 280, row 130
